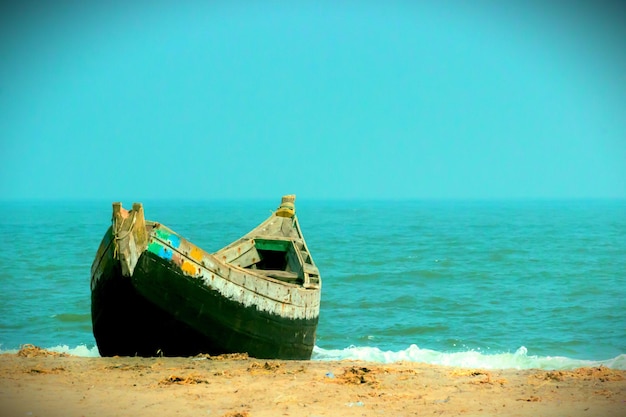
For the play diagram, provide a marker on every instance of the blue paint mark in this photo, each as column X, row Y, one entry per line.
column 166, row 254
column 174, row 241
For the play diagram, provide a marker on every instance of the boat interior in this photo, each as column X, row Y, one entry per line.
column 281, row 259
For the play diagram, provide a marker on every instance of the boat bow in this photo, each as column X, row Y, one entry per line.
column 130, row 237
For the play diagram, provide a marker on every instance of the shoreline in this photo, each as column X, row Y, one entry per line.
column 502, row 360
column 36, row 382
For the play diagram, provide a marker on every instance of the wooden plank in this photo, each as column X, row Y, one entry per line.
column 235, row 251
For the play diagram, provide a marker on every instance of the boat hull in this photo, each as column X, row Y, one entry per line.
column 161, row 310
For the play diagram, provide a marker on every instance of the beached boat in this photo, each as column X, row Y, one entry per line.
column 155, row 293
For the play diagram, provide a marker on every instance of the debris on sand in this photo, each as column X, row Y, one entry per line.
column 237, row 414
column 32, row 351
column 358, row 375
column 183, row 380
column 601, row 373
column 223, row 357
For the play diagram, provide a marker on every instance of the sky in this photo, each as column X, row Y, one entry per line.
column 358, row 100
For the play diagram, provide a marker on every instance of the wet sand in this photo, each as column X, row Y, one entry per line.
column 36, row 382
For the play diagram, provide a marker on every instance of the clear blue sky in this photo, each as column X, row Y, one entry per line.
column 371, row 99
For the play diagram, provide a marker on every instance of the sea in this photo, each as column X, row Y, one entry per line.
column 482, row 284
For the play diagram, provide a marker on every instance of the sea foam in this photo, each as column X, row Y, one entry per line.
column 520, row 359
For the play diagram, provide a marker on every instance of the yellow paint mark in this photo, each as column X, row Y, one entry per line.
column 188, row 267
column 195, row 253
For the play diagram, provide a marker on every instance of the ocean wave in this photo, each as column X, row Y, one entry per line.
column 520, row 359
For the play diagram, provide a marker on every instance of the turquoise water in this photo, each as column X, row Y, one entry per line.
column 492, row 284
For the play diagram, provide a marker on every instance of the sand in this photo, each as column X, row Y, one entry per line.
column 35, row 382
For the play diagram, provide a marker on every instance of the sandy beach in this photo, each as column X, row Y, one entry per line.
column 36, row 382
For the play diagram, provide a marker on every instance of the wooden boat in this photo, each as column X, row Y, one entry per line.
column 155, row 293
